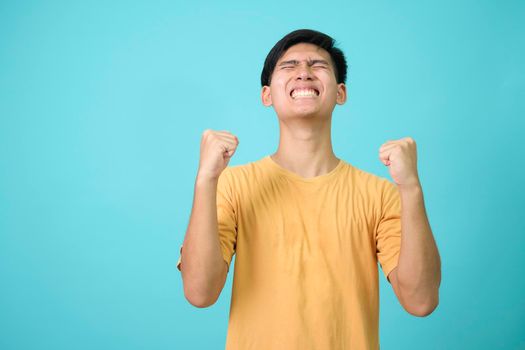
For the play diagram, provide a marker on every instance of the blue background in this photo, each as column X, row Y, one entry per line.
column 102, row 107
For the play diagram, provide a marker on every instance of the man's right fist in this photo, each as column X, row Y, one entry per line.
column 217, row 147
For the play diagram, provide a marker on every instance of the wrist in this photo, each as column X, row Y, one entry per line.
column 414, row 187
column 204, row 178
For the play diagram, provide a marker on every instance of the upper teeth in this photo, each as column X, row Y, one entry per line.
column 303, row 93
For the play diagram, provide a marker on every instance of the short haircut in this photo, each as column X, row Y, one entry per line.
column 304, row 36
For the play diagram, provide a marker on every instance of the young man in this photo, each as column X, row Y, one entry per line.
column 307, row 228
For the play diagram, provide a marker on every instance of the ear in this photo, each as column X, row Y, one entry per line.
column 341, row 94
column 266, row 97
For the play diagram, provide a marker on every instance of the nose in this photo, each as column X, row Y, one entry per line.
column 304, row 72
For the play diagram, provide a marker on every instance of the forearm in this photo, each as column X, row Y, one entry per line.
column 419, row 266
column 202, row 262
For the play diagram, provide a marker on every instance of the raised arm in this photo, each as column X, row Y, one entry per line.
column 417, row 277
column 203, row 267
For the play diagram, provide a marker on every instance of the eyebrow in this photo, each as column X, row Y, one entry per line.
column 295, row 62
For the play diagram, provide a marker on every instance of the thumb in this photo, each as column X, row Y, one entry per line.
column 229, row 153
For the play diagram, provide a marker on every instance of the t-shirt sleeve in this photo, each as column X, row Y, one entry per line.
column 226, row 218
column 388, row 232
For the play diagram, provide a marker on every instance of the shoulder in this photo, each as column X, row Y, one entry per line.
column 377, row 192
column 367, row 180
column 382, row 190
column 239, row 177
column 249, row 170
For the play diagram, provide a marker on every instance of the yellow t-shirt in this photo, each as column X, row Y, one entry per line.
column 307, row 249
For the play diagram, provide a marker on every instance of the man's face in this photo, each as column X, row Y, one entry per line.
column 303, row 83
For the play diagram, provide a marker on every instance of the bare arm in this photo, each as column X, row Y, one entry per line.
column 417, row 277
column 203, row 267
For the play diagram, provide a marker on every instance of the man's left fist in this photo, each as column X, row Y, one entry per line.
column 401, row 158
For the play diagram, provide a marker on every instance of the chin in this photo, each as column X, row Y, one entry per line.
column 303, row 114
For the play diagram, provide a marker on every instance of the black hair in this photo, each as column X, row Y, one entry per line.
column 304, row 36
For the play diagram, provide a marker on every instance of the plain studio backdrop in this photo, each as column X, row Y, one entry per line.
column 102, row 106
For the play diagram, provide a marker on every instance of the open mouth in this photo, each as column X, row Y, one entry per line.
column 304, row 93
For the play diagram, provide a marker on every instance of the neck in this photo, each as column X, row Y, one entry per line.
column 305, row 147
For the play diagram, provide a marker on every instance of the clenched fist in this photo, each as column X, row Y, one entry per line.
column 400, row 156
column 217, row 148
